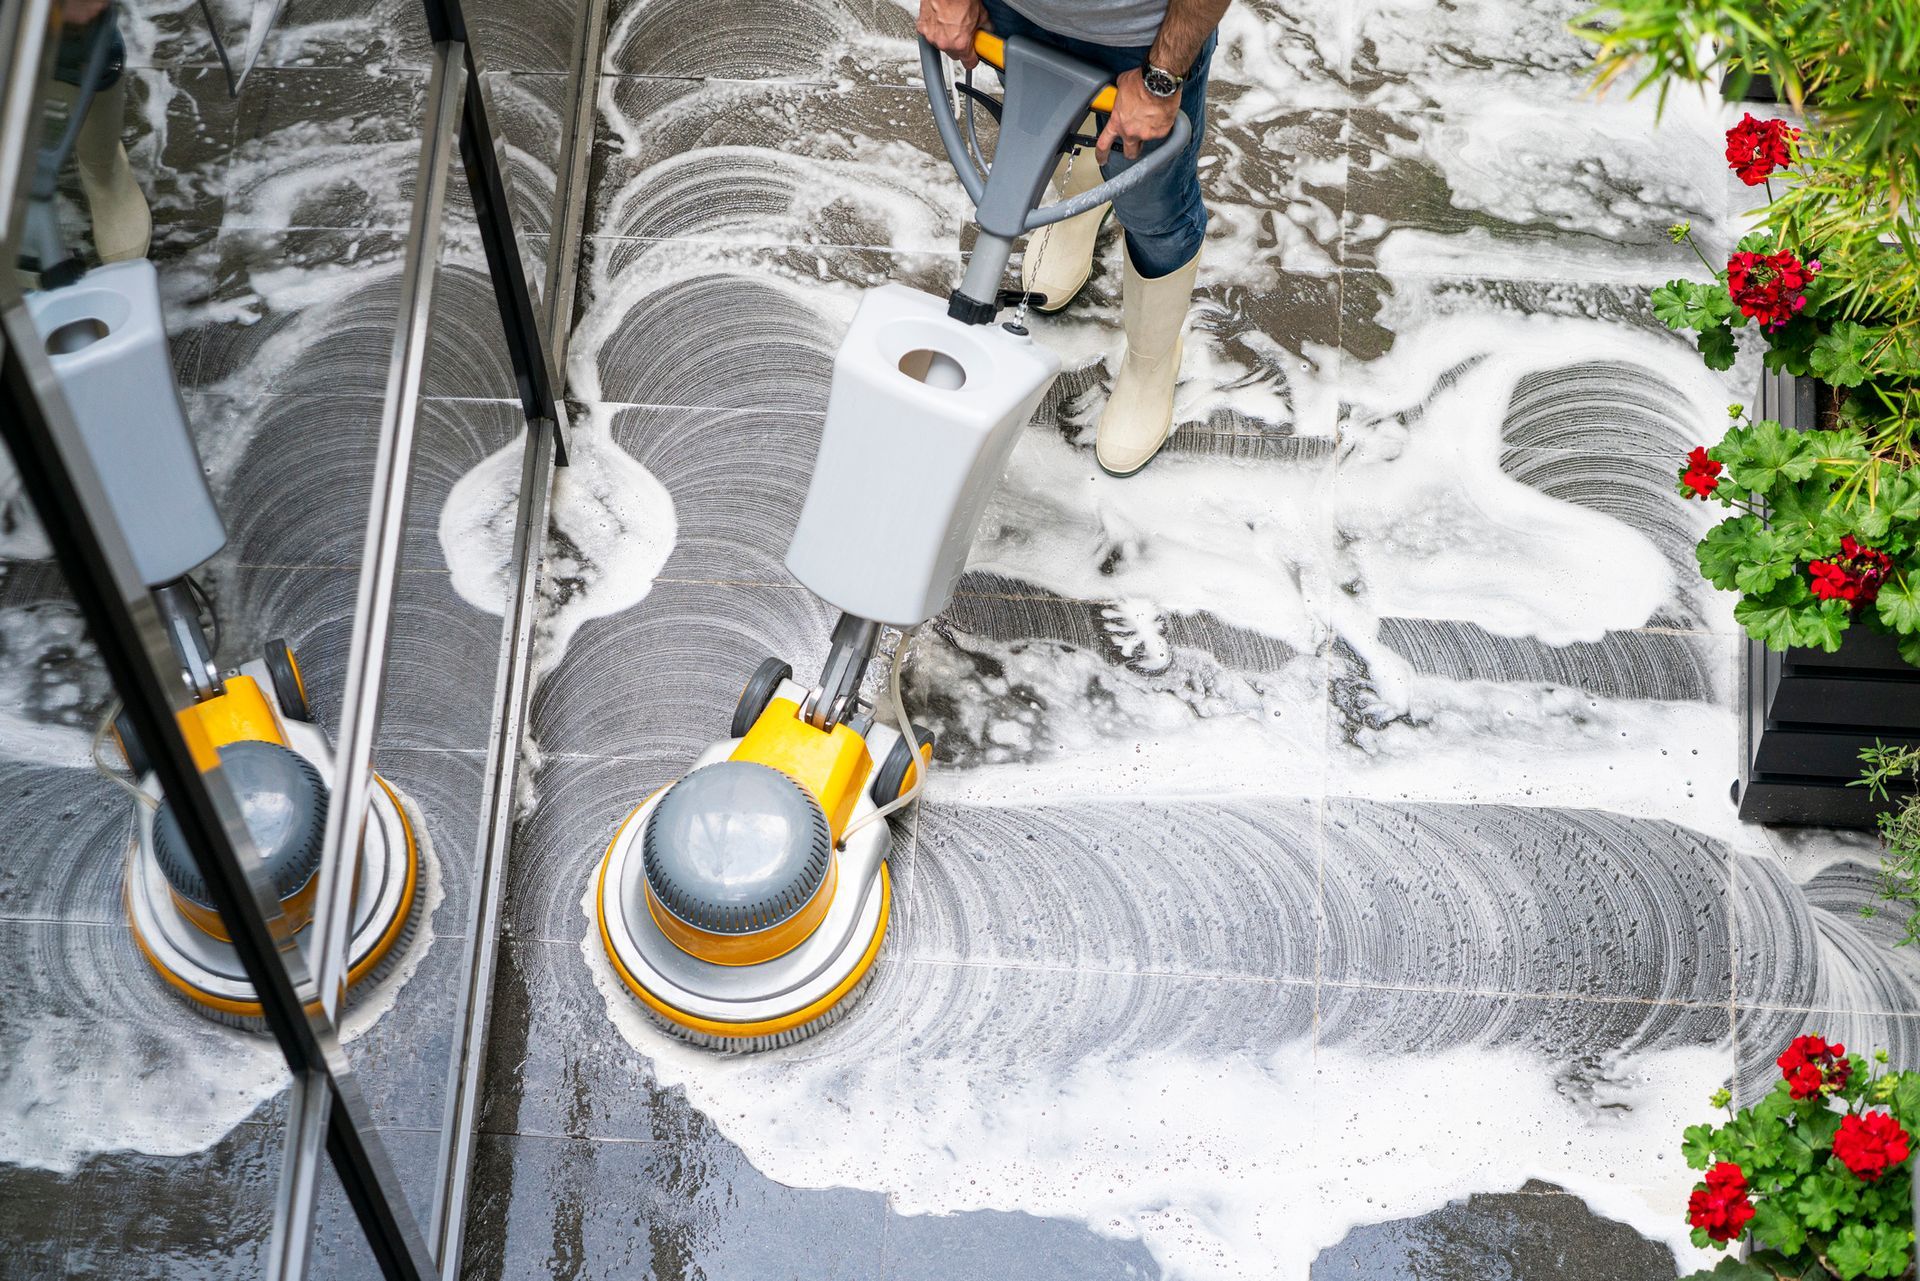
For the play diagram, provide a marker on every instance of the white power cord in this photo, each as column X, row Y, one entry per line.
column 107, row 771
column 922, row 765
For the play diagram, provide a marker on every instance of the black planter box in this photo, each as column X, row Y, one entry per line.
column 1808, row 712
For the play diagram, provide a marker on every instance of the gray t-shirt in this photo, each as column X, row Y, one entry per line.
column 1120, row 23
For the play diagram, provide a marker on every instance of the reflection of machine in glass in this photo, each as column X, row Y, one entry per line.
column 278, row 764
column 106, row 343
column 745, row 904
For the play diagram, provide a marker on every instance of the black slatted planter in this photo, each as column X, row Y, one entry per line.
column 1808, row 712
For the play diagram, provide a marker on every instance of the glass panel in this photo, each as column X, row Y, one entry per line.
column 223, row 275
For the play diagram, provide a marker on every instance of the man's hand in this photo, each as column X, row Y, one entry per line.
column 1138, row 117
column 949, row 26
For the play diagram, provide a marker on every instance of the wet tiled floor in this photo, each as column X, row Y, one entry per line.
column 1332, row 821
column 1329, row 869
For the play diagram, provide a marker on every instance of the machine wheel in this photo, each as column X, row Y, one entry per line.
column 130, row 747
column 891, row 780
column 288, row 688
column 758, row 693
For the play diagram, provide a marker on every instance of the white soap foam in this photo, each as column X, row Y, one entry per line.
column 614, row 519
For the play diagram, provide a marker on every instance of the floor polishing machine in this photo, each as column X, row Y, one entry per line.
column 745, row 904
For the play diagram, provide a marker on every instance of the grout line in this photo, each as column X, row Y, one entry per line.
column 744, row 243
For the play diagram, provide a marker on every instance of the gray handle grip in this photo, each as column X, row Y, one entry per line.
column 944, row 120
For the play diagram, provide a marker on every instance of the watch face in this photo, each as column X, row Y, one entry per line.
column 1161, row 84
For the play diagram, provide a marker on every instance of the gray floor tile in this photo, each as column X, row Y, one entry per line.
column 772, row 162
column 440, row 669
column 1038, row 694
column 658, row 683
column 326, row 148
column 1581, row 191
column 1233, row 890
column 293, row 473
column 1538, row 901
column 315, row 312
column 1514, row 49
column 984, row 1245
column 1803, row 941
column 737, row 479
column 1536, row 1232
column 126, row 1214
column 556, row 1065
column 742, row 42
column 584, row 1208
column 1578, row 1037
column 659, row 320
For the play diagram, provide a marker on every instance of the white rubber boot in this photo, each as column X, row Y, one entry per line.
column 1138, row 418
column 122, row 222
column 1059, row 258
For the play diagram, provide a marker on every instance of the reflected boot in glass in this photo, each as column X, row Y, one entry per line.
column 1138, row 418
column 122, row 222
column 1059, row 258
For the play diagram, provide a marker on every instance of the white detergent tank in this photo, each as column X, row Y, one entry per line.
column 923, row 413
column 107, row 343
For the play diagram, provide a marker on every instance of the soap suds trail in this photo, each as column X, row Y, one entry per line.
column 96, row 1053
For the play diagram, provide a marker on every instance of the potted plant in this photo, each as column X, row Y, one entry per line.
column 1823, row 540
column 1815, row 1179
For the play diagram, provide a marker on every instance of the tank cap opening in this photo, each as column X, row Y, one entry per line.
column 934, row 368
column 76, row 335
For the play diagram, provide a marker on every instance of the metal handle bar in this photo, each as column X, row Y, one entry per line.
column 1100, row 97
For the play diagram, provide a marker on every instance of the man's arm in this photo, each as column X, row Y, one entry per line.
column 1138, row 117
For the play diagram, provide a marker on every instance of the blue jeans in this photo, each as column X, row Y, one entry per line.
column 1165, row 218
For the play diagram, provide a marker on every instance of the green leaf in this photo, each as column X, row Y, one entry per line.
column 1851, row 1250
column 1880, row 1251
column 1892, row 1248
column 1717, row 346
column 1761, row 455
column 1771, row 556
column 1840, row 355
column 1910, row 649
column 1728, row 548
column 1899, row 605
column 1673, row 305
column 1906, row 1095
column 1732, row 1269
column 1757, row 242
column 1822, row 1198
column 1775, row 1224
column 1696, row 1144
column 1690, row 304
column 1789, row 616
column 1821, row 1126
column 1897, row 499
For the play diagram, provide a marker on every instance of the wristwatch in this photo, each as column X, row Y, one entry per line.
column 1160, row 82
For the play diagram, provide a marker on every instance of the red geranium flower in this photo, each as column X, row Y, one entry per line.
column 1719, row 1207
column 1870, row 1145
column 1769, row 288
column 1809, row 1064
column 1853, row 576
column 1755, row 148
column 1701, row 474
